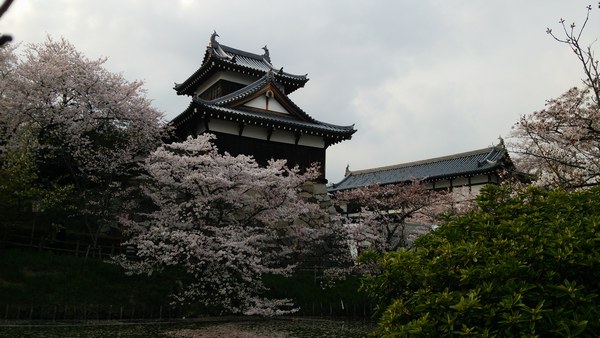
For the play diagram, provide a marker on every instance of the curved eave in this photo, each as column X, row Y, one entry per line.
column 363, row 178
column 183, row 117
column 240, row 95
column 460, row 175
column 332, row 134
column 215, row 63
column 340, row 185
column 257, row 86
column 236, row 96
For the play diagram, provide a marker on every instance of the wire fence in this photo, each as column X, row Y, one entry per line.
column 89, row 312
column 82, row 248
column 61, row 312
column 85, row 312
column 77, row 248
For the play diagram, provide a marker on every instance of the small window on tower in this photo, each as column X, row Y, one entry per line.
column 220, row 88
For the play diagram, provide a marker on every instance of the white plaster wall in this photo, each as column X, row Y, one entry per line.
column 312, row 141
column 480, row 179
column 442, row 184
column 283, row 137
column 223, row 126
column 459, row 181
column 428, row 185
column 261, row 103
column 274, row 105
column 261, row 133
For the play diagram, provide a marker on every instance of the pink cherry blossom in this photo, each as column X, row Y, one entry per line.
column 225, row 220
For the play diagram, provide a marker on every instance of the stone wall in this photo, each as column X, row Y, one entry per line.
column 317, row 193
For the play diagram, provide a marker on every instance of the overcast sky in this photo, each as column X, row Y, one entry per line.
column 419, row 79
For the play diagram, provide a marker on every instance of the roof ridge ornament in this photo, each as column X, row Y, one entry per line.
column 266, row 55
column 501, row 141
column 486, row 159
column 270, row 75
column 216, row 48
column 213, row 39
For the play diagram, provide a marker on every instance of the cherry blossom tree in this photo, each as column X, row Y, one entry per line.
column 88, row 127
column 225, row 221
column 387, row 217
column 559, row 144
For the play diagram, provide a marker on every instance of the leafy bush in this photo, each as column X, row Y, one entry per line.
column 520, row 265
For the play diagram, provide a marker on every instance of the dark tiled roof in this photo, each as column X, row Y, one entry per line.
column 243, row 58
column 280, row 121
column 458, row 165
column 297, row 121
column 221, row 57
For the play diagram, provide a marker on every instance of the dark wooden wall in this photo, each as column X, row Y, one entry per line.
column 263, row 151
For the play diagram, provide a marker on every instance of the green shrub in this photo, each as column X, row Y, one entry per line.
column 526, row 265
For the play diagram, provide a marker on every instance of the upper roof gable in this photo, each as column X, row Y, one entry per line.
column 267, row 103
column 457, row 165
column 220, row 57
column 265, row 86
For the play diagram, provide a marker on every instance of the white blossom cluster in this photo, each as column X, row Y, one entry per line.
column 559, row 145
column 392, row 216
column 225, row 220
column 82, row 126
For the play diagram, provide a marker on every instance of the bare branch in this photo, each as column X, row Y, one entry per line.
column 3, row 8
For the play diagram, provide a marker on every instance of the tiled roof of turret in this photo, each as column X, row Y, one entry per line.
column 225, row 107
column 458, row 165
column 221, row 57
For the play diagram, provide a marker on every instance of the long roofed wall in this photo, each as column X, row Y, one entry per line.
column 471, row 169
column 242, row 98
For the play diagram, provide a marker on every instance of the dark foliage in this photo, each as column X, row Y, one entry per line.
column 525, row 264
